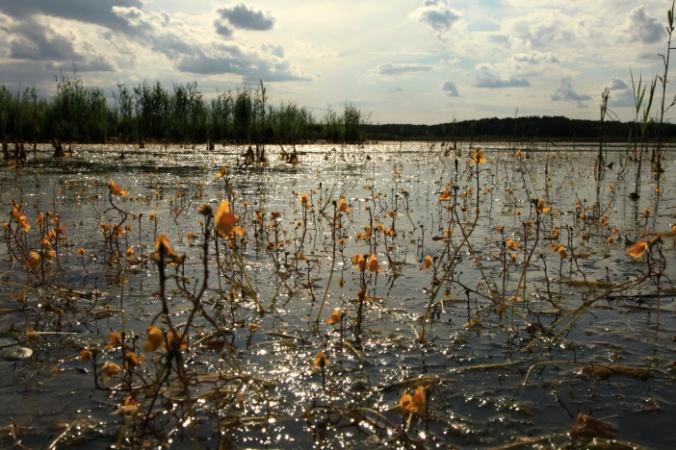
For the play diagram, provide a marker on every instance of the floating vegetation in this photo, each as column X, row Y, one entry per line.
column 411, row 296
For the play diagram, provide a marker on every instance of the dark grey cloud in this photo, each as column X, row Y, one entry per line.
column 30, row 40
column 617, row 84
column 99, row 12
column 486, row 77
column 195, row 58
column 234, row 60
column 566, row 93
column 211, row 65
column 621, row 94
column 640, row 27
column 156, row 29
column 437, row 15
column 450, row 89
column 401, row 69
column 241, row 16
column 18, row 75
column 222, row 28
column 499, row 83
column 192, row 57
column 171, row 44
column 30, row 37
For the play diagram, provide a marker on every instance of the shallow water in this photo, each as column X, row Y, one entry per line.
column 495, row 370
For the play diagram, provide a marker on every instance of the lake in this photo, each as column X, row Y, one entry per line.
column 483, row 299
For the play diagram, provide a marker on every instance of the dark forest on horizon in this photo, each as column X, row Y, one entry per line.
column 150, row 112
column 520, row 128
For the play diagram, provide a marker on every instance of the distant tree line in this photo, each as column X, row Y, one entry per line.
column 151, row 112
column 522, row 128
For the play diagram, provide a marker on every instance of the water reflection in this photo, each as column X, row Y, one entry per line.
column 492, row 374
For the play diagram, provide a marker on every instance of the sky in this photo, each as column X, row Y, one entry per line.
column 399, row 61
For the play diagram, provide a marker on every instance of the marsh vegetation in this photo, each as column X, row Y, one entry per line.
column 150, row 112
column 154, row 294
column 403, row 295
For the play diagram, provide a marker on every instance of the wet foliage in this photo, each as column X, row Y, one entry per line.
column 389, row 296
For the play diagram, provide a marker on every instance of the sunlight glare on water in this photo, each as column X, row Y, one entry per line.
column 492, row 370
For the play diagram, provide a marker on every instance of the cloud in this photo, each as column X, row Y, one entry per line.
column 276, row 50
column 18, row 75
column 649, row 56
column 542, row 31
column 168, row 37
column 486, row 77
column 622, row 99
column 535, row 57
column 173, row 39
column 566, row 93
column 134, row 27
column 32, row 41
column 402, row 69
column 222, row 28
column 241, row 16
column 640, row 27
column 617, row 84
column 498, row 83
column 236, row 60
column 94, row 65
column 621, row 93
column 450, row 89
column 527, row 44
column 99, row 12
column 437, row 15
column 502, row 40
